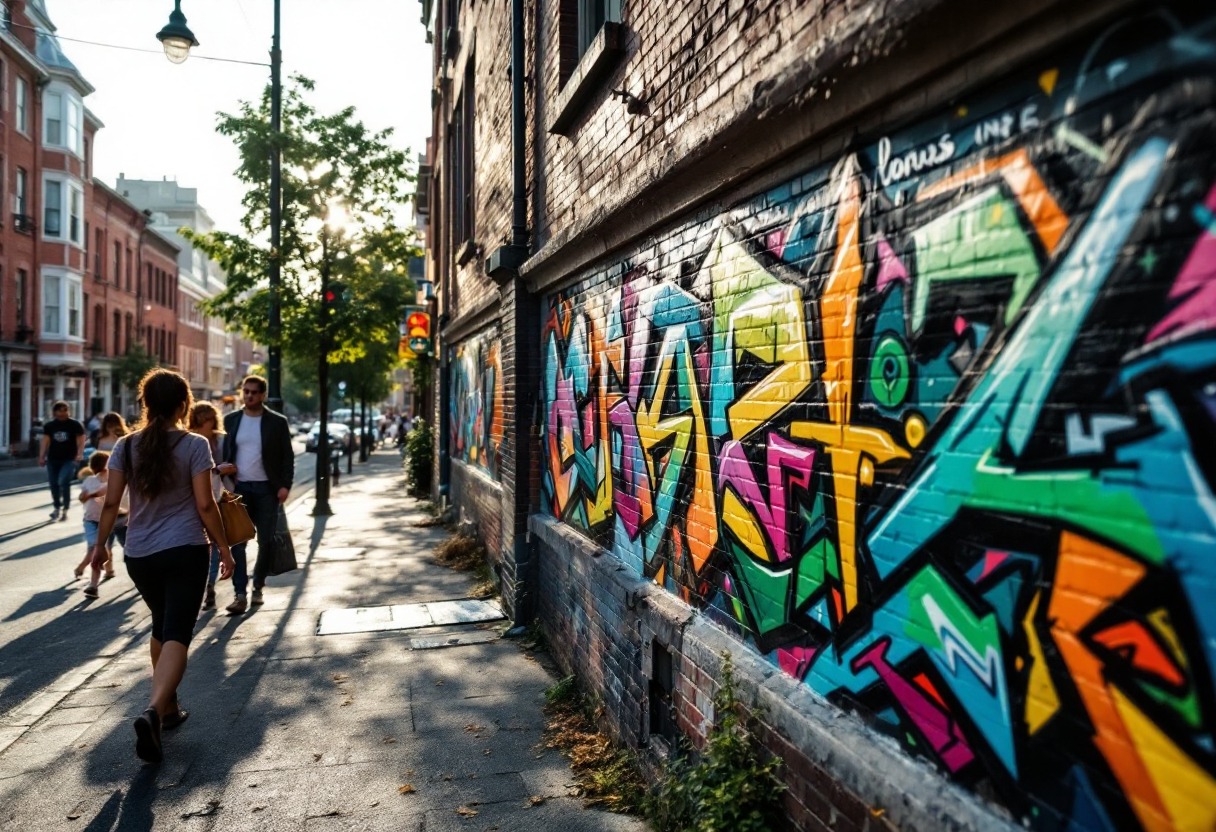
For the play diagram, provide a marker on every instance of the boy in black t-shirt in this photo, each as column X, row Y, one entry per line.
column 61, row 452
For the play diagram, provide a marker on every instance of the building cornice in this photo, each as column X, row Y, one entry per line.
column 28, row 58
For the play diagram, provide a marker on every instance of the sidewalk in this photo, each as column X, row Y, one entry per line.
column 294, row 731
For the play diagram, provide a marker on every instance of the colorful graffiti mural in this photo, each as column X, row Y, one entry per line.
column 935, row 429
column 475, row 402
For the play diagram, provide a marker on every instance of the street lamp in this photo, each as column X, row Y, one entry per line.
column 177, row 40
column 176, row 37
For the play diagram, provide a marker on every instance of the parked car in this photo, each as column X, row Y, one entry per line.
column 339, row 436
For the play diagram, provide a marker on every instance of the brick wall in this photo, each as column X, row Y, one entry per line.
column 920, row 429
column 477, row 500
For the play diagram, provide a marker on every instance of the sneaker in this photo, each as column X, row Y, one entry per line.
column 209, row 598
column 54, row 515
column 238, row 606
column 256, row 600
column 90, row 591
column 63, row 516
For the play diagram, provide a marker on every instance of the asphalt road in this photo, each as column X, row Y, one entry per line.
column 43, row 637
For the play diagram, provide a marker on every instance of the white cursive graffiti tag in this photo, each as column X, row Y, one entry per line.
column 892, row 170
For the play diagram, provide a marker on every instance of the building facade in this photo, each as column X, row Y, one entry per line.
column 85, row 274
column 115, row 238
column 21, row 76
column 213, row 359
column 872, row 343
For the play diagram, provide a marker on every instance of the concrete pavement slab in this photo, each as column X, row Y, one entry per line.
column 292, row 731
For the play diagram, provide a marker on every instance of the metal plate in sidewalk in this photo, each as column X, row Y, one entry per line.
column 408, row 616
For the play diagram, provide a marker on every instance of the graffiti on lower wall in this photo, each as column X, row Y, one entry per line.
column 934, row 427
column 475, row 399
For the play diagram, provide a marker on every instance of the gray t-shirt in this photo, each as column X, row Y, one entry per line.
column 170, row 518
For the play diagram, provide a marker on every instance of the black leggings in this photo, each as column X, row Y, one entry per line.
column 172, row 582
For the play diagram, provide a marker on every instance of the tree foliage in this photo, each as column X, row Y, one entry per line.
column 330, row 163
column 133, row 366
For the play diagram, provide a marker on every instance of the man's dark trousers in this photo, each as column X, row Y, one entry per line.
column 60, row 476
column 263, row 505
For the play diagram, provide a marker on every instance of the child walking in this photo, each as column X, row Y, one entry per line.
column 92, row 494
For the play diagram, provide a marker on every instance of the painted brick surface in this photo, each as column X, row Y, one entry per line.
column 930, row 427
column 475, row 401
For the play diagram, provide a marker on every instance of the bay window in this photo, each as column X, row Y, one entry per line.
column 61, row 195
column 62, row 305
column 52, row 287
column 63, row 120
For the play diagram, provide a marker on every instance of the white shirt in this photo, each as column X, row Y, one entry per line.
column 249, row 466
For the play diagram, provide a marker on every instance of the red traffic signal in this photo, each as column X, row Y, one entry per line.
column 418, row 325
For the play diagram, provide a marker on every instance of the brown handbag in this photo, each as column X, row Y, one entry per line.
column 238, row 528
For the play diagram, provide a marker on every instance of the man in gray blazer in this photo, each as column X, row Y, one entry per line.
column 257, row 452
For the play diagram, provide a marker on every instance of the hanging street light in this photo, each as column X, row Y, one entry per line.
column 176, row 37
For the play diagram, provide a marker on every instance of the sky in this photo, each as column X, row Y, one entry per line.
column 160, row 118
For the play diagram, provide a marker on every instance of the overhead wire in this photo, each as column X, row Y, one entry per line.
column 58, row 36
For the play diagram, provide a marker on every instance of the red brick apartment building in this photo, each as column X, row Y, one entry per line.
column 86, row 272
column 871, row 343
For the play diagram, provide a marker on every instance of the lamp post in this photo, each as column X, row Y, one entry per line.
column 177, row 40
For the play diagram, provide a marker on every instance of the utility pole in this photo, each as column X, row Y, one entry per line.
column 321, row 506
column 274, row 360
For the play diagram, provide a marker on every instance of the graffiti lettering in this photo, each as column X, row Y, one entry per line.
column 893, row 170
column 948, row 459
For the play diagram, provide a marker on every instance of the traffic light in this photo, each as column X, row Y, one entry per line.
column 418, row 332
column 333, row 299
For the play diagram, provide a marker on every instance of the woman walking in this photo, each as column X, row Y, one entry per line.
column 172, row 513
column 113, row 428
column 205, row 421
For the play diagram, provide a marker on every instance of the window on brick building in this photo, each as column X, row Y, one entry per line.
column 50, row 305
column 20, row 199
column 129, row 261
column 22, row 282
column 52, row 127
column 118, row 263
column 63, row 119
column 461, row 148
column 76, row 230
column 97, row 246
column 52, row 209
column 579, row 21
column 22, row 93
column 117, row 333
column 74, row 306
column 60, row 196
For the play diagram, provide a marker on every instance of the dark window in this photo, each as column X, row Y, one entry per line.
column 117, row 333
column 118, row 263
column 128, row 269
column 97, row 246
column 579, row 21
column 22, row 282
column 462, row 160
column 52, row 214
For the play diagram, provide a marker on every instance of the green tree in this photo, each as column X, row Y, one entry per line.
column 330, row 163
column 132, row 367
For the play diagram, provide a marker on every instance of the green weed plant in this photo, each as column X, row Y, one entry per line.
column 724, row 788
